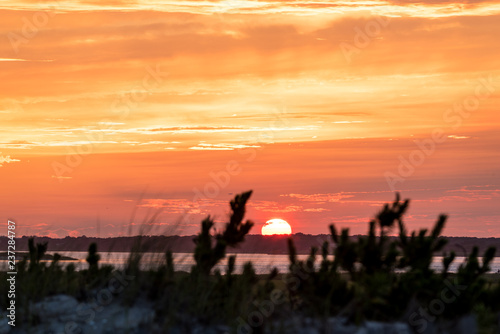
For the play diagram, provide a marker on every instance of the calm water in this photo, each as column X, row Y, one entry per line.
column 263, row 263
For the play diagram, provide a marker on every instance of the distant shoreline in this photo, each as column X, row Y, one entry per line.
column 46, row 257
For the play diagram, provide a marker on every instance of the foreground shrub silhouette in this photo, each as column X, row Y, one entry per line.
column 93, row 258
column 388, row 278
column 206, row 254
column 214, row 298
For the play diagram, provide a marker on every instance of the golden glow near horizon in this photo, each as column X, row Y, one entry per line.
column 276, row 227
column 317, row 102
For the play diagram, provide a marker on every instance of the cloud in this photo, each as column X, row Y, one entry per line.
column 348, row 122
column 221, row 147
column 7, row 159
column 226, row 76
column 11, row 59
column 154, row 142
column 329, row 197
column 61, row 177
column 23, row 144
column 316, row 210
column 182, row 206
column 271, row 206
column 225, row 8
column 458, row 137
column 38, row 226
column 21, row 60
column 18, row 144
column 199, row 129
column 472, row 195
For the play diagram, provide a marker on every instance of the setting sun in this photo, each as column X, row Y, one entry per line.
column 276, row 226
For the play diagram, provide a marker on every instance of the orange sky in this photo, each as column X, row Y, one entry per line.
column 322, row 108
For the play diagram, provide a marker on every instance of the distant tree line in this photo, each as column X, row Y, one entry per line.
column 462, row 246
